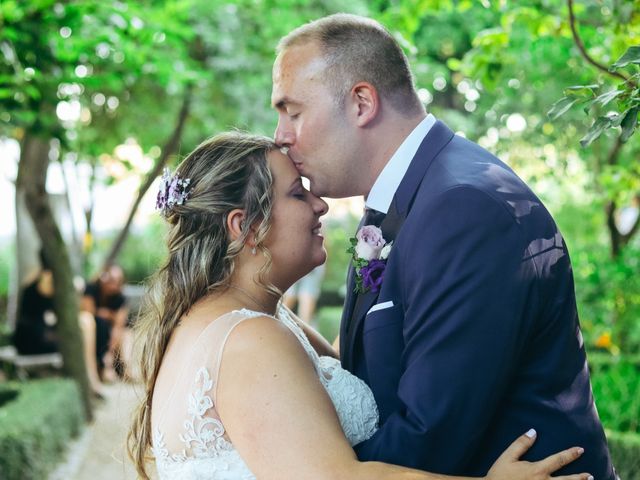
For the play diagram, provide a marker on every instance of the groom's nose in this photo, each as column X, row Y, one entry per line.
column 284, row 136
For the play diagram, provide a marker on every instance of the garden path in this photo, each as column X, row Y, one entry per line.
column 99, row 453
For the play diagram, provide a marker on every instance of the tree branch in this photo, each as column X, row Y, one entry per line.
column 169, row 148
column 611, row 207
column 612, row 157
column 583, row 50
column 614, row 233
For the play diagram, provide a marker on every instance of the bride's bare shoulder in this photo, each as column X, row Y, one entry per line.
column 257, row 332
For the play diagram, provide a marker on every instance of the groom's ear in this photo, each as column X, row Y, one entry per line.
column 365, row 103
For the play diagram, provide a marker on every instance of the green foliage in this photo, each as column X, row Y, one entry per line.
column 625, row 453
column 337, row 234
column 36, row 425
column 358, row 263
column 607, row 289
column 328, row 319
column 616, row 388
column 5, row 333
column 55, row 51
column 142, row 254
column 6, row 264
column 592, row 99
column 6, row 260
column 609, row 297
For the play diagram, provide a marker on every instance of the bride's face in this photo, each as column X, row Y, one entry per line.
column 294, row 238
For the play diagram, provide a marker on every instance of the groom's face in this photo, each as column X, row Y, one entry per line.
column 310, row 124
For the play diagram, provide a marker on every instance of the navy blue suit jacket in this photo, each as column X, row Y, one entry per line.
column 482, row 341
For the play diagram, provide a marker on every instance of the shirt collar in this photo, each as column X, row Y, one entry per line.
column 388, row 181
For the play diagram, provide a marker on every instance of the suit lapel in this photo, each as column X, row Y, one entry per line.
column 347, row 311
column 438, row 137
column 363, row 302
column 349, row 301
column 356, row 306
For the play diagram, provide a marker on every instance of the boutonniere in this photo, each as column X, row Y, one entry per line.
column 369, row 251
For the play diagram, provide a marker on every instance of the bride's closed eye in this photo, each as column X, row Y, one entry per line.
column 298, row 191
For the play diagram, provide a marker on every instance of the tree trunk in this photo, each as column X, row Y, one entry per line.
column 26, row 259
column 169, row 148
column 614, row 234
column 76, row 245
column 87, row 241
column 32, row 175
column 611, row 208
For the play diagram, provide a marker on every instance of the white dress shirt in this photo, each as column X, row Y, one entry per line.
column 388, row 181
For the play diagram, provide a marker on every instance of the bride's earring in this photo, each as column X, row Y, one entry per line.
column 253, row 250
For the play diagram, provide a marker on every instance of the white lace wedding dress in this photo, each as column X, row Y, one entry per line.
column 189, row 440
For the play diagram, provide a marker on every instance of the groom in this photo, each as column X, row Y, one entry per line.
column 473, row 336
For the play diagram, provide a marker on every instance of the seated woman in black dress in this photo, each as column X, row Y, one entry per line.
column 36, row 327
column 36, row 331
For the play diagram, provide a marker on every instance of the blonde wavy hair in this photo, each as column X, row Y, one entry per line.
column 227, row 172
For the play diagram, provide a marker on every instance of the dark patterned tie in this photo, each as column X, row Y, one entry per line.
column 373, row 217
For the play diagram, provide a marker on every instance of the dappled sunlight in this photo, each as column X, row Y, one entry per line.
column 552, row 249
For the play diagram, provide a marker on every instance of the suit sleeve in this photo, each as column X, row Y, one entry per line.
column 464, row 289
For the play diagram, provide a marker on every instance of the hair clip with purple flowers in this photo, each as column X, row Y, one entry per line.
column 173, row 191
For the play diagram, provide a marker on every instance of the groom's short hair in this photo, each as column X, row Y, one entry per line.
column 359, row 49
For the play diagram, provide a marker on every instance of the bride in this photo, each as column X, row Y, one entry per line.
column 235, row 386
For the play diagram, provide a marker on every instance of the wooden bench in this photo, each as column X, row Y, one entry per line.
column 24, row 363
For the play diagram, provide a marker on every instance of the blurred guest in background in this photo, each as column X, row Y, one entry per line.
column 36, row 329
column 305, row 292
column 104, row 300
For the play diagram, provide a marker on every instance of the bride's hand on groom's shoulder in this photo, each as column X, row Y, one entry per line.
column 509, row 466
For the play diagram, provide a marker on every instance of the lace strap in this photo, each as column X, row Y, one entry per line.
column 285, row 318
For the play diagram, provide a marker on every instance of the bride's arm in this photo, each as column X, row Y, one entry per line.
column 318, row 342
column 284, row 425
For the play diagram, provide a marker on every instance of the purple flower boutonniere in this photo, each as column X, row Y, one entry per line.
column 369, row 251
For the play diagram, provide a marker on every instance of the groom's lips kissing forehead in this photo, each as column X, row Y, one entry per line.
column 298, row 165
column 287, row 151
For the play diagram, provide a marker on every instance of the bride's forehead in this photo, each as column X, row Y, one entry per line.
column 282, row 168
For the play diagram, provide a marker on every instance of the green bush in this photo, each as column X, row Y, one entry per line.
column 36, row 425
column 6, row 261
column 329, row 322
column 337, row 233
column 607, row 289
column 599, row 361
column 5, row 332
column 616, row 388
column 625, row 452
